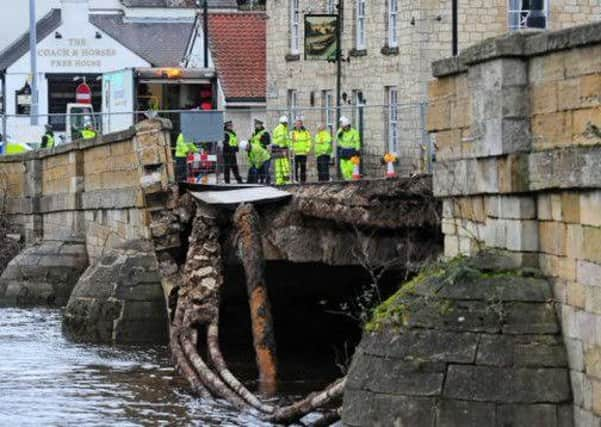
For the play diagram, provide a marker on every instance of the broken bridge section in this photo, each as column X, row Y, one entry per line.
column 368, row 224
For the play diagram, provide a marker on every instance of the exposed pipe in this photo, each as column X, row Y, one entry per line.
column 205, row 30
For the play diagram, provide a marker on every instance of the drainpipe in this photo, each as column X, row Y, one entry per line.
column 3, row 77
column 205, row 30
column 455, row 24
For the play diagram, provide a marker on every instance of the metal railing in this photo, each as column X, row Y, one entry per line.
column 400, row 130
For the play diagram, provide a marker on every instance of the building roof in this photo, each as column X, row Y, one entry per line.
column 217, row 4
column 162, row 44
column 238, row 46
column 20, row 47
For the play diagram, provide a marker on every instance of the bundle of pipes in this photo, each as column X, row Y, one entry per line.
column 197, row 309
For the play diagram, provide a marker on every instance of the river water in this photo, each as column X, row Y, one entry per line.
column 47, row 380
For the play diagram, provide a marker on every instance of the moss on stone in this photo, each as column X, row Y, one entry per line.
column 396, row 311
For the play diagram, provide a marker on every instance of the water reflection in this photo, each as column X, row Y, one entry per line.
column 47, row 380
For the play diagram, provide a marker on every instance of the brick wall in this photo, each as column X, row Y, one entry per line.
column 424, row 35
column 516, row 121
column 95, row 188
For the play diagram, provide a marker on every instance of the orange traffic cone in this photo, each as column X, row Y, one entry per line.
column 356, row 171
column 390, row 172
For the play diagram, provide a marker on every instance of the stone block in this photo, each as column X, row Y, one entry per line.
column 551, row 130
column 522, row 318
column 575, row 353
column 592, row 362
column 522, row 235
column 451, row 246
column 543, row 206
column 576, row 294
column 507, row 385
column 539, row 415
column 591, row 244
column 596, row 396
column 393, row 376
column 495, row 233
column 495, row 350
column 581, row 124
column 539, row 351
column 575, row 241
column 543, row 98
column 588, row 329
column 588, row 273
column 592, row 299
column 451, row 413
column 553, row 237
column 570, row 207
column 582, row 389
column 431, row 345
column 590, row 208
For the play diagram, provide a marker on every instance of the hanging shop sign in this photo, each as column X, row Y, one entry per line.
column 23, row 100
column 321, row 42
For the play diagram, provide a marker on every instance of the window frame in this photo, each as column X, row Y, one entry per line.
column 361, row 25
column 292, row 101
column 392, row 125
column 295, row 27
column 523, row 13
column 331, row 7
column 329, row 112
column 393, row 23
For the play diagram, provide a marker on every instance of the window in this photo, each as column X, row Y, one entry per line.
column 356, row 102
column 520, row 10
column 294, row 27
column 331, row 9
column 393, row 13
column 360, row 41
column 292, row 104
column 329, row 112
column 393, row 120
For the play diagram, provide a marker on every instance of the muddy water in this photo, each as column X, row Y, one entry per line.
column 46, row 380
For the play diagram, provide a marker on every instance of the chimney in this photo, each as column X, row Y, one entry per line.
column 74, row 13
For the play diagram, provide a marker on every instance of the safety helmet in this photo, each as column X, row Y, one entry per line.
column 283, row 119
column 344, row 121
column 243, row 145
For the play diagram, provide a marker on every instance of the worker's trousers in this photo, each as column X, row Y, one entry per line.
column 323, row 168
column 181, row 169
column 230, row 165
column 346, row 169
column 300, row 168
column 282, row 171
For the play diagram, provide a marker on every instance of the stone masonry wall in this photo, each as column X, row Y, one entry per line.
column 97, row 188
column 516, row 120
column 424, row 35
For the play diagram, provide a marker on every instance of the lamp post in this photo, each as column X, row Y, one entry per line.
column 339, row 59
column 33, row 63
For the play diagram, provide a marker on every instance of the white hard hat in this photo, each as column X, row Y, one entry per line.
column 243, row 145
column 344, row 121
column 284, row 119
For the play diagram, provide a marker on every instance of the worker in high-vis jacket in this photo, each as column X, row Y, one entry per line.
column 88, row 132
column 182, row 149
column 230, row 148
column 323, row 152
column 48, row 138
column 301, row 147
column 259, row 156
column 349, row 144
column 280, row 152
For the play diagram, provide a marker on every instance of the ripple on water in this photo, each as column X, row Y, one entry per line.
column 47, row 380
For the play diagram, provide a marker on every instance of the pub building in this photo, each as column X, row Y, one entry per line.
column 161, row 41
